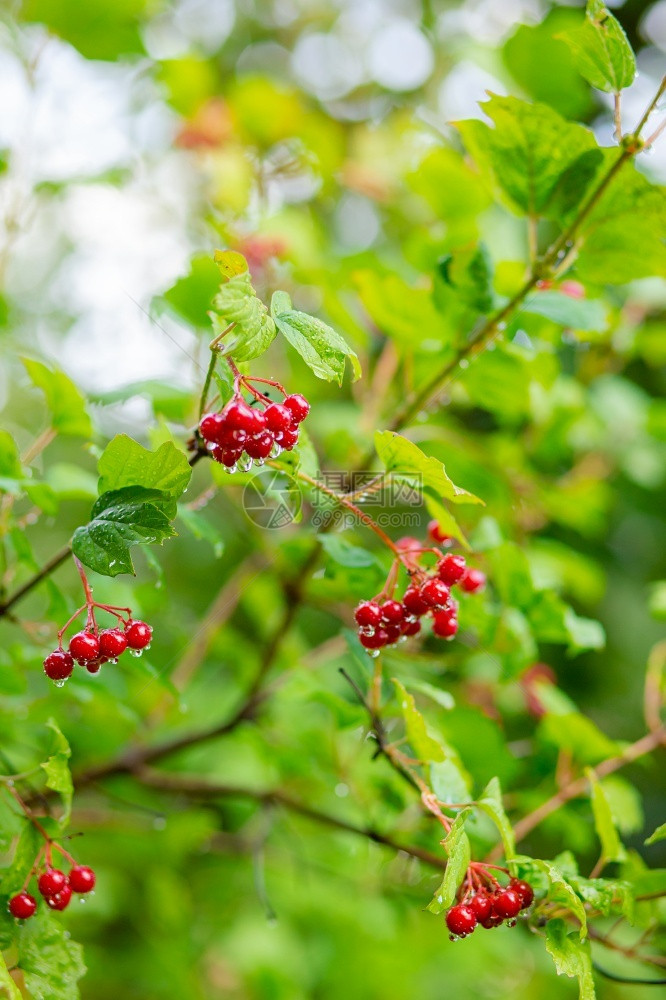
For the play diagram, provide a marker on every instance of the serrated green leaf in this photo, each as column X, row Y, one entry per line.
column 490, row 802
column 66, row 404
column 124, row 462
column 58, row 774
column 405, row 460
column 560, row 889
column 659, row 834
column 119, row 519
column 527, row 152
column 423, row 745
column 601, row 50
column 323, row 349
column 605, row 895
column 51, row 962
column 575, row 314
column 612, row 848
column 458, row 852
column 253, row 331
column 571, row 956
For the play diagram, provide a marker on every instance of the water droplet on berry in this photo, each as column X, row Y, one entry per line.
column 135, row 652
column 82, row 900
column 147, row 646
column 374, row 653
column 230, row 469
column 275, row 451
column 113, row 660
column 259, row 461
column 402, row 638
column 245, row 463
column 59, row 683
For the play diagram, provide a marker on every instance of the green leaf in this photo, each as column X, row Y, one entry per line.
column 51, row 962
column 527, row 152
column 449, row 783
column 575, row 314
column 345, row 554
column 102, row 29
column 465, row 277
column 407, row 315
column 119, row 519
column 445, row 519
column 605, row 895
column 406, row 461
column 10, row 459
column 192, row 294
column 253, row 331
column 323, row 350
column 66, row 404
column 58, row 775
column 659, row 834
column 560, row 889
column 443, row 698
column 423, row 745
column 458, row 851
column 612, row 848
column 601, row 49
column 7, row 984
column 202, row 529
column 124, row 463
column 657, row 600
column 25, row 854
column 491, row 804
column 571, row 956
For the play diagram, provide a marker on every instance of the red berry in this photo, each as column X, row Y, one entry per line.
column 435, row 593
column 61, row 900
column 59, row 665
column 492, row 921
column 411, row 628
column 298, row 405
column 393, row 633
column 524, row 890
column 473, row 581
column 211, row 426
column 93, row 666
column 112, row 642
column 482, row 906
column 437, row 534
column 413, row 602
column 227, row 456
column 238, row 416
column 22, row 906
column 573, row 289
column 82, row 879
column 392, row 612
column 408, row 544
column 507, row 904
column 138, row 635
column 258, row 420
column 51, row 882
column 451, row 568
column 461, row 920
column 230, row 438
column 287, row 439
column 368, row 614
column 278, row 417
column 376, row 640
column 260, row 445
column 445, row 624
column 84, row 646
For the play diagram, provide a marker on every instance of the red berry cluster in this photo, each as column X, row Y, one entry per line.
column 240, row 434
column 489, row 906
column 56, row 889
column 383, row 622
column 92, row 647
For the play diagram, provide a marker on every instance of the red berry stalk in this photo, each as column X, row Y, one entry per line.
column 92, row 646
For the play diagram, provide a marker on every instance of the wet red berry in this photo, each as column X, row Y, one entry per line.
column 138, row 635
column 84, row 646
column 481, row 905
column 61, row 900
column 461, row 920
column 451, row 568
column 287, row 439
column 492, row 921
column 473, row 581
column 278, row 417
column 438, row 535
column 238, row 416
column 112, row 643
column 259, row 446
column 81, row 879
column 368, row 614
column 211, row 426
column 298, row 405
column 392, row 612
column 507, row 904
column 51, row 882
column 414, row 603
column 22, row 906
column 435, row 593
column 524, row 890
column 376, row 640
column 411, row 628
column 59, row 665
column 445, row 624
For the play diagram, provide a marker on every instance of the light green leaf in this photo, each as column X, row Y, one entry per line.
column 58, row 774
column 445, row 519
column 406, row 461
column 124, row 462
column 192, row 294
column 423, row 745
column 575, row 314
column 449, row 783
column 253, row 331
column 26, row 851
column 7, row 984
column 601, row 49
column 66, row 404
column 443, row 698
column 10, row 459
column 659, row 834
column 321, row 347
column 458, row 851
column 406, row 314
column 51, row 962
column 612, row 848
column 527, row 152
column 119, row 519
column 491, row 804
column 345, row 554
column 571, row 956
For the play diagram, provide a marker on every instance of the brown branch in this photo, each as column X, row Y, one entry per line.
column 57, row 560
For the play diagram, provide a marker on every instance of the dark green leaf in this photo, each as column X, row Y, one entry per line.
column 51, row 962
column 323, row 350
column 253, row 330
column 125, row 463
